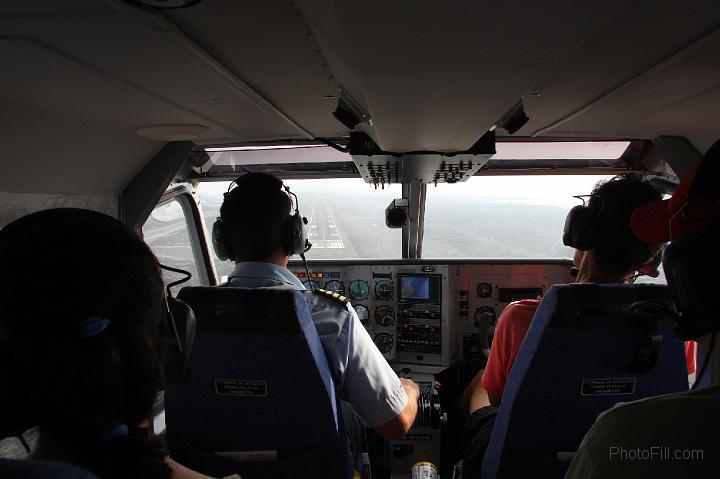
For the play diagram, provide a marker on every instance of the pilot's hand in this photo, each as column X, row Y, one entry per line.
column 411, row 389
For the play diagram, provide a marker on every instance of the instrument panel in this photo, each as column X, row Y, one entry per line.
column 431, row 312
column 422, row 316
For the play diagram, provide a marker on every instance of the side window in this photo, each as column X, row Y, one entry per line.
column 166, row 232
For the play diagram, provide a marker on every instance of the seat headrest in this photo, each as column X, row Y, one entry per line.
column 260, row 310
column 602, row 306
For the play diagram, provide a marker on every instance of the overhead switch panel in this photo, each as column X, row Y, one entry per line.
column 379, row 167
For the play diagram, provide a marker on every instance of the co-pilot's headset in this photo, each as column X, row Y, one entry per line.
column 581, row 224
column 296, row 234
column 581, row 232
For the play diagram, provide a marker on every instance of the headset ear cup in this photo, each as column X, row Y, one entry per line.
column 303, row 242
column 221, row 241
column 296, row 235
column 579, row 230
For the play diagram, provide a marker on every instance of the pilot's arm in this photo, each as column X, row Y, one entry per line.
column 398, row 426
column 381, row 400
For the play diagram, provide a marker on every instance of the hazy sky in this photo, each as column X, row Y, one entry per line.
column 554, row 190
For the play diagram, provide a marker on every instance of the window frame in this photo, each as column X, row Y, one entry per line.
column 199, row 244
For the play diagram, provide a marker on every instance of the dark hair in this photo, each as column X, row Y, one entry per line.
column 256, row 213
column 616, row 247
column 57, row 269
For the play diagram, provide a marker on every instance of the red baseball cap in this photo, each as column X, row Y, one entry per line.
column 689, row 209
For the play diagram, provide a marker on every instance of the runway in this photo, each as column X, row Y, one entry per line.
column 327, row 230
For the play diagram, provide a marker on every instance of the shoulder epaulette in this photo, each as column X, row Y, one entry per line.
column 329, row 294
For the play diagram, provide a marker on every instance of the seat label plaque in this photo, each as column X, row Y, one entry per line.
column 607, row 386
column 240, row 387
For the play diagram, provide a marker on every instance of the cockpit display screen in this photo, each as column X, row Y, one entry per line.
column 415, row 288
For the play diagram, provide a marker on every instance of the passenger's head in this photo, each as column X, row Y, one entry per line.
column 616, row 252
column 58, row 269
column 256, row 213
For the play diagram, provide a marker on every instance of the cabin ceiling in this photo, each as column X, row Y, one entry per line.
column 80, row 76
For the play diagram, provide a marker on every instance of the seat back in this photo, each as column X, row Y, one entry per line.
column 585, row 351
column 260, row 400
column 15, row 469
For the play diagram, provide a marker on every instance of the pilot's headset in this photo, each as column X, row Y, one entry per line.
column 581, row 223
column 296, row 234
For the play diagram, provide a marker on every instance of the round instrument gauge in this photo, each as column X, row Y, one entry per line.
column 484, row 290
column 363, row 314
column 384, row 342
column 335, row 286
column 485, row 314
column 308, row 283
column 384, row 315
column 358, row 289
column 384, row 290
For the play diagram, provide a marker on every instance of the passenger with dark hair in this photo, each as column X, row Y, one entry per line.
column 257, row 222
column 82, row 335
column 612, row 255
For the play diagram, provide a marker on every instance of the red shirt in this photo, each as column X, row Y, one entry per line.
column 690, row 355
column 509, row 334
column 510, row 331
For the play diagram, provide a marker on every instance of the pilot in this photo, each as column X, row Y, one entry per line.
column 674, row 435
column 606, row 252
column 256, row 216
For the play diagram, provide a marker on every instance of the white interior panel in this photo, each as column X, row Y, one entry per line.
column 81, row 76
column 438, row 78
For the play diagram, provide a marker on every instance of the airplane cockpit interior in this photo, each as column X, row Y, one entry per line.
column 431, row 151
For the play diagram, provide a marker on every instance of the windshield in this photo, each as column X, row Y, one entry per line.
column 505, row 217
column 346, row 217
column 493, row 217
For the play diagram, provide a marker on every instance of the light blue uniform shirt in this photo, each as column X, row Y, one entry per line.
column 363, row 378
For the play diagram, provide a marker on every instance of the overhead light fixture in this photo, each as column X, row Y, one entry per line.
column 349, row 112
column 172, row 132
column 514, row 119
column 165, row 4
